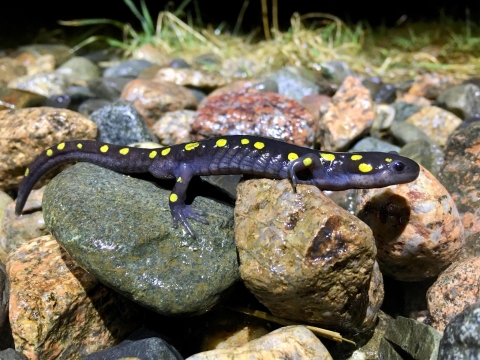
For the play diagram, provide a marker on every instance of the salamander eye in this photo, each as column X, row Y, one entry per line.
column 398, row 166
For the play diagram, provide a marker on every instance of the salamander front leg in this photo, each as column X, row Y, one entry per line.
column 178, row 208
column 308, row 161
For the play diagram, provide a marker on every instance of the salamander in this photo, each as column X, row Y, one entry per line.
column 253, row 155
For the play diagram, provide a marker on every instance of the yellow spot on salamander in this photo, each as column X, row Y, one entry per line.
column 152, row 154
column 61, row 146
column 307, row 162
column 49, row 152
column 173, row 197
column 388, row 159
column 79, row 145
column 191, row 146
column 27, row 171
column 292, row 156
column 365, row 167
column 166, row 151
column 259, row 145
column 104, row 148
column 124, row 151
column 245, row 141
column 179, row 179
column 221, row 142
column 328, row 157
column 356, row 157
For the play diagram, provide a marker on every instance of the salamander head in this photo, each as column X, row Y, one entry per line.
column 365, row 171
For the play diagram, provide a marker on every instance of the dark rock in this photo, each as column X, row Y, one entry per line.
column 381, row 92
column 132, row 246
column 404, row 110
column 130, row 69
column 108, row 88
column 462, row 100
column 142, row 344
column 10, row 354
column 460, row 339
column 179, row 63
column 120, row 123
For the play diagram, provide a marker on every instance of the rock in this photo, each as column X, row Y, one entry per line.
column 349, row 115
column 462, row 100
column 459, row 175
column 129, row 68
column 419, row 341
column 321, row 246
column 460, row 338
column 455, row 289
column 431, row 85
column 372, row 144
column 142, row 344
column 6, row 339
column 253, row 112
column 337, row 70
column 417, row 228
column 149, row 261
column 152, row 99
column 79, row 69
column 380, row 92
column 16, row 99
column 293, row 85
column 60, row 52
column 57, row 309
column 291, row 342
column 190, row 77
column 405, row 133
column 45, row 83
column 108, row 88
column 120, row 123
column 10, row 354
column 151, row 53
column 18, row 229
column 10, row 69
column 437, row 123
column 89, row 106
column 25, row 133
column 316, row 104
column 174, row 127
column 404, row 110
column 426, row 153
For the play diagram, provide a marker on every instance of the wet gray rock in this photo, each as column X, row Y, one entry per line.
column 425, row 153
column 120, row 123
column 108, row 88
column 338, row 71
column 293, row 85
column 79, row 69
column 373, row 144
column 142, row 344
column 405, row 132
column 462, row 100
column 460, row 338
column 381, row 92
column 130, row 68
column 418, row 340
column 120, row 230
column 404, row 110
column 11, row 354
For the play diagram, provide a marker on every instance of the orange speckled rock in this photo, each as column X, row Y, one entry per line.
column 290, row 342
column 25, row 133
column 304, row 257
column 152, row 99
column 456, row 288
column 349, row 115
column 252, row 112
column 58, row 310
column 437, row 123
column 417, row 227
column 460, row 174
column 431, row 85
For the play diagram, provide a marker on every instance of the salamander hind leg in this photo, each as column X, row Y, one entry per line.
column 308, row 161
column 179, row 210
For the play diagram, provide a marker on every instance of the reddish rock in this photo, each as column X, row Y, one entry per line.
column 152, row 99
column 460, row 174
column 252, row 112
column 430, row 85
column 417, row 228
column 349, row 115
column 230, row 88
column 305, row 258
column 455, row 289
column 57, row 309
column 25, row 133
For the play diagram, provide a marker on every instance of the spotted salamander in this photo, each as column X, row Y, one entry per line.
column 262, row 157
